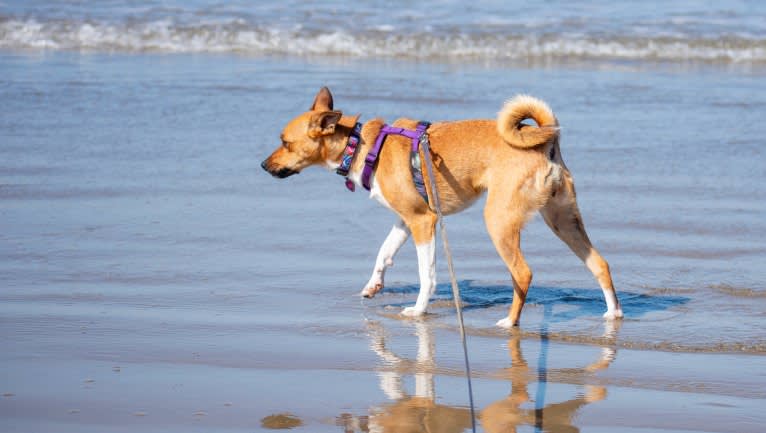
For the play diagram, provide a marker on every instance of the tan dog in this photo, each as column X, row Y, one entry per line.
column 519, row 165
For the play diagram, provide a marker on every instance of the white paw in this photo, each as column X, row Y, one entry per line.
column 504, row 323
column 371, row 290
column 413, row 311
column 613, row 314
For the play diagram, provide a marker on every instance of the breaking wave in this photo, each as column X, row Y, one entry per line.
column 239, row 36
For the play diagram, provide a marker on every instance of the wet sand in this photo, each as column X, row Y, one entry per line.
column 153, row 278
column 381, row 375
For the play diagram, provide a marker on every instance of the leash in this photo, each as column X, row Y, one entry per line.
column 455, row 289
column 419, row 137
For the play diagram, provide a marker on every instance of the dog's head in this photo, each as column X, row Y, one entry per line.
column 305, row 139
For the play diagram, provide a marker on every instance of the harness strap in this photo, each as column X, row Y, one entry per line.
column 416, row 167
column 418, row 135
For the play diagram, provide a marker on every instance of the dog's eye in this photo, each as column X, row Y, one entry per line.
column 285, row 144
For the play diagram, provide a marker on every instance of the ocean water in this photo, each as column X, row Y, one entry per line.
column 679, row 30
column 136, row 225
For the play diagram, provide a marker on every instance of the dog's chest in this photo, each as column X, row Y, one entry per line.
column 377, row 194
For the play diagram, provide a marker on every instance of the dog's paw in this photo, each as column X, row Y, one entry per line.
column 613, row 314
column 413, row 312
column 505, row 323
column 371, row 290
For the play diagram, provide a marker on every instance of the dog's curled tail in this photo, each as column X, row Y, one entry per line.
column 525, row 136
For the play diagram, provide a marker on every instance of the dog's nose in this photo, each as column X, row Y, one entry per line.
column 264, row 165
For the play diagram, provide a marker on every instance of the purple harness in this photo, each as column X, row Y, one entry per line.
column 417, row 136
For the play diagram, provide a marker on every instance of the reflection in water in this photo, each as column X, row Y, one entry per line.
column 419, row 412
column 506, row 414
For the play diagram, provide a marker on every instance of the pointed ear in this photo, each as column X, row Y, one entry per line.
column 323, row 123
column 323, row 100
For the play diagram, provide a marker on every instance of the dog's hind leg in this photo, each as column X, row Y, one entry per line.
column 423, row 227
column 504, row 223
column 563, row 217
column 394, row 241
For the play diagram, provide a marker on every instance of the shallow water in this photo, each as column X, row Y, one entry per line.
column 152, row 276
column 133, row 179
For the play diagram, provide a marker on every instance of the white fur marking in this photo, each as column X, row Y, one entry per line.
column 377, row 194
column 427, row 271
column 613, row 309
column 395, row 239
column 504, row 323
column 331, row 165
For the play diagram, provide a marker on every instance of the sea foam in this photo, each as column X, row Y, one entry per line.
column 238, row 36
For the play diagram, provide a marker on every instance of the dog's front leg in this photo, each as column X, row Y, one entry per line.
column 423, row 233
column 395, row 239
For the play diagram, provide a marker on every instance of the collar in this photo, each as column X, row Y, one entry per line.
column 352, row 148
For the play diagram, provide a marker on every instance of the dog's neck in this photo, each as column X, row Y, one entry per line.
column 370, row 131
column 336, row 144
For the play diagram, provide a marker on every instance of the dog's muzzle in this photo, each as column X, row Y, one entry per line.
column 278, row 173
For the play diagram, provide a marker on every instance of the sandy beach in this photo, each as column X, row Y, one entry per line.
column 111, row 374
column 153, row 278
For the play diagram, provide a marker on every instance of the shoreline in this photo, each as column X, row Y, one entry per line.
column 415, row 370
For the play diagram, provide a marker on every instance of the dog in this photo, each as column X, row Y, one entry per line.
column 518, row 165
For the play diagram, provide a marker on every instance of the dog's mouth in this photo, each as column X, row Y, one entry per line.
column 279, row 173
column 283, row 173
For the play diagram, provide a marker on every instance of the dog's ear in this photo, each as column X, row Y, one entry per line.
column 323, row 100
column 323, row 123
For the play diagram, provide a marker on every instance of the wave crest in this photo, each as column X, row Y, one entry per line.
column 240, row 37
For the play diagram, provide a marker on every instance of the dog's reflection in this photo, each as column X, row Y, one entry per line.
column 419, row 412
column 516, row 409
